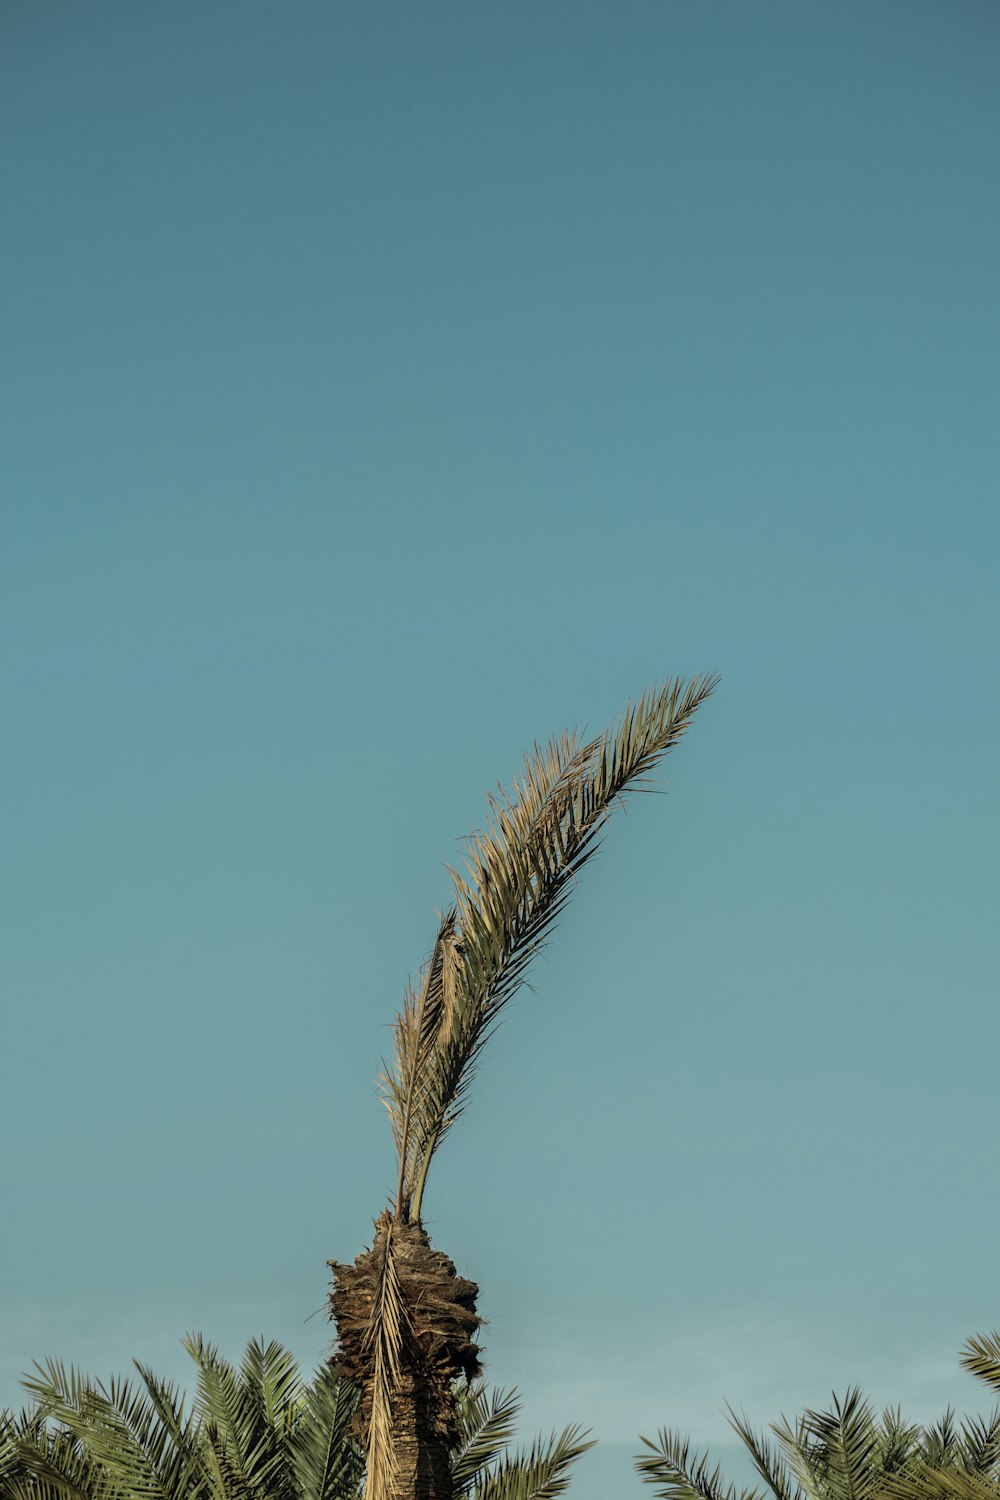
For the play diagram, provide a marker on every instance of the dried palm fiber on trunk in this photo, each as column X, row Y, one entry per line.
column 406, row 1417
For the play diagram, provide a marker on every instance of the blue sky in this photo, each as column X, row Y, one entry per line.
column 388, row 387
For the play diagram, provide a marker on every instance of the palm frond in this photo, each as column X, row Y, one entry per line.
column 40, row 1462
column 766, row 1460
column 120, row 1430
column 240, row 1451
column 803, row 1455
column 898, row 1442
column 518, row 878
column 679, row 1472
column 327, row 1460
column 981, row 1356
column 927, row 1482
column 847, row 1440
column 540, row 1474
column 940, row 1442
column 981, row 1444
column 424, row 1023
column 486, row 1427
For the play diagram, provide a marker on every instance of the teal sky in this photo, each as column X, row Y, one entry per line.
column 388, row 386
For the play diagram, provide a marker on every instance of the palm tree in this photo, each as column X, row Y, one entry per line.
column 848, row 1453
column 256, row 1432
column 406, row 1322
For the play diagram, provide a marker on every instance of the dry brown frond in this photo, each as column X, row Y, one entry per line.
column 384, row 1344
column 425, row 1023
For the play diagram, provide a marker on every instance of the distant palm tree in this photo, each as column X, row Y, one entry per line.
column 406, row 1322
column 256, row 1432
column 848, row 1453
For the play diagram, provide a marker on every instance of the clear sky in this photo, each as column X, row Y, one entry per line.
column 387, row 386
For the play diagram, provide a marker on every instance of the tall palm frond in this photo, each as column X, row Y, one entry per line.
column 517, row 879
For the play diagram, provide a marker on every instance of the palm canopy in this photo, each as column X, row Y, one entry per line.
column 849, row 1453
column 256, row 1431
column 518, row 874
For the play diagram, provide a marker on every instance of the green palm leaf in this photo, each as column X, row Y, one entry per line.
column 326, row 1459
column 981, row 1444
column 243, row 1454
column 519, row 874
column 122, row 1431
column 848, row 1454
column 678, row 1472
column 486, row 1427
column 38, row 1462
column 847, row 1439
column 927, row 1482
column 768, row 1462
column 981, row 1356
column 540, row 1474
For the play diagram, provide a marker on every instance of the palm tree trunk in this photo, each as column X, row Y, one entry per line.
column 406, row 1396
column 422, row 1469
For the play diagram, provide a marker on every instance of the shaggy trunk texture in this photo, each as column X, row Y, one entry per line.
column 437, row 1348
